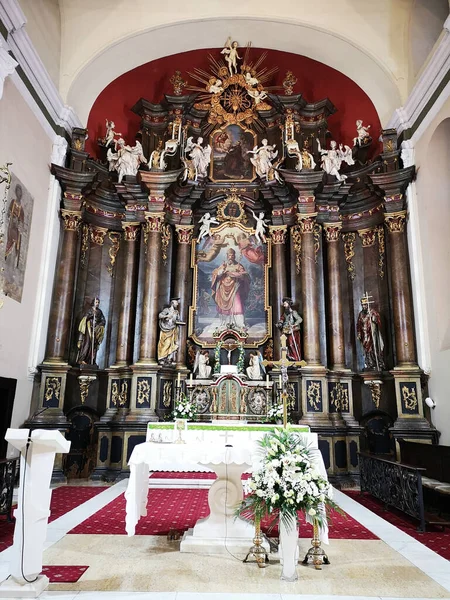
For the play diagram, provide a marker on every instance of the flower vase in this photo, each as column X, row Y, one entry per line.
column 288, row 550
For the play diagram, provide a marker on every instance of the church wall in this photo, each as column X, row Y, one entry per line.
column 25, row 144
column 433, row 189
column 44, row 28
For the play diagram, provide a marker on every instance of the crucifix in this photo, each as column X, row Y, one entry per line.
column 284, row 363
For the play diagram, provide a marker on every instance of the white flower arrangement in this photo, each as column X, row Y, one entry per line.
column 275, row 413
column 286, row 481
column 184, row 409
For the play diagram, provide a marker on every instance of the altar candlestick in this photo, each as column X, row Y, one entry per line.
column 190, row 379
column 267, row 380
column 178, row 379
column 280, row 382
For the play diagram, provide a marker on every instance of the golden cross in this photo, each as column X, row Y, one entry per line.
column 284, row 363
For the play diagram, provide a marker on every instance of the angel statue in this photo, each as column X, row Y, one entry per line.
column 205, row 228
column 126, row 160
column 201, row 365
column 215, row 86
column 262, row 158
column 110, row 133
column 255, row 369
column 363, row 136
column 331, row 160
column 345, row 154
column 231, row 55
column 260, row 227
column 249, row 80
column 201, row 157
column 258, row 96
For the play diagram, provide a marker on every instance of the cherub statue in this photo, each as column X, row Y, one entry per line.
column 363, row 136
column 231, row 55
column 249, row 80
column 127, row 159
column 205, row 228
column 215, row 86
column 201, row 365
column 201, row 157
column 157, row 158
column 260, row 227
column 262, row 158
column 258, row 96
column 110, row 133
column 331, row 160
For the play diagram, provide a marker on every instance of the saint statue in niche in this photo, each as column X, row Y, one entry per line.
column 289, row 324
column 368, row 329
column 169, row 321
column 91, row 333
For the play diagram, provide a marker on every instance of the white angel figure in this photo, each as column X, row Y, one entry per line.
column 255, row 370
column 231, row 55
column 331, row 161
column 110, row 133
column 205, row 228
column 201, row 157
column 363, row 133
column 260, row 227
column 262, row 158
column 215, row 87
column 345, row 154
column 249, row 80
column 201, row 365
column 127, row 159
column 258, row 96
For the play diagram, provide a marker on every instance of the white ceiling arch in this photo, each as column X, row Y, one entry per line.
column 330, row 48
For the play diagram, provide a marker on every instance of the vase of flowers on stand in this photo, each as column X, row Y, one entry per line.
column 285, row 483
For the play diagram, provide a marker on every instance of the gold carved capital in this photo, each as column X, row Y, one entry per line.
column 332, row 231
column 396, row 221
column 131, row 231
column 307, row 222
column 368, row 237
column 72, row 219
column 184, row 233
column 278, row 233
column 154, row 221
column 97, row 235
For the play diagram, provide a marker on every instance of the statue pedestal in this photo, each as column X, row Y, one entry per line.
column 227, row 369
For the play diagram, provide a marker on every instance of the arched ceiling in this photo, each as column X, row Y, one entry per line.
column 365, row 41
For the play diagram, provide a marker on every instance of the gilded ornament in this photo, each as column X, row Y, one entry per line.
column 313, row 394
column 349, row 252
column 297, row 245
column 143, row 392
column 375, row 391
column 85, row 383
column 368, row 237
column 278, row 234
column 381, row 251
column 339, row 397
column 131, row 231
column 165, row 240
column 288, row 83
column 52, row 388
column 232, row 209
column 409, row 398
column 72, row 219
column 184, row 233
column 115, row 393
column 178, row 83
column 123, row 397
column 97, row 235
column 307, row 222
column 114, row 238
column 317, row 236
column 396, row 221
column 84, row 244
column 332, row 231
column 167, row 394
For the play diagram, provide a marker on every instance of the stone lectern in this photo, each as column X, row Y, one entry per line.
column 37, row 455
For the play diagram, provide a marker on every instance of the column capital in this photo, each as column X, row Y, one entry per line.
column 332, row 231
column 97, row 234
column 72, row 219
column 368, row 236
column 307, row 222
column 131, row 231
column 154, row 221
column 278, row 233
column 184, row 233
column 396, row 221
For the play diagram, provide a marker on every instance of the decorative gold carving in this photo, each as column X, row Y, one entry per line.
column 153, row 222
column 115, row 396
column 166, row 234
column 409, row 398
column 167, row 394
column 84, row 244
column 278, row 233
column 375, row 391
column 339, row 397
column 313, row 394
column 123, row 397
column 232, row 209
column 381, row 251
column 396, row 221
column 97, row 235
column 288, row 83
column 52, row 388
column 349, row 251
column 364, row 213
column 131, row 231
column 307, row 222
column 317, row 235
column 143, row 391
column 72, row 219
column 184, row 233
column 178, row 83
column 297, row 245
column 114, row 238
column 368, row 237
column 332, row 231
column 85, row 383
column 393, row 198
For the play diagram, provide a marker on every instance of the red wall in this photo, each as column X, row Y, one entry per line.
column 151, row 80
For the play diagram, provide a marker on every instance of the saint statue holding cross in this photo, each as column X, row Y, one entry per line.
column 368, row 329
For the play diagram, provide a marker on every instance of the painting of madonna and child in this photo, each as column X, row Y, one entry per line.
column 230, row 291
column 230, row 154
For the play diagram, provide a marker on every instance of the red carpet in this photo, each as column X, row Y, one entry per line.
column 433, row 538
column 64, row 499
column 181, row 508
column 63, row 573
column 188, row 475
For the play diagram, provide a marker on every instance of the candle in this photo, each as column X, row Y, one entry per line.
column 190, row 379
column 267, row 380
column 279, row 381
column 178, row 379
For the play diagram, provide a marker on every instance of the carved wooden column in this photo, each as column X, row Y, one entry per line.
column 335, row 318
column 278, row 237
column 182, row 288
